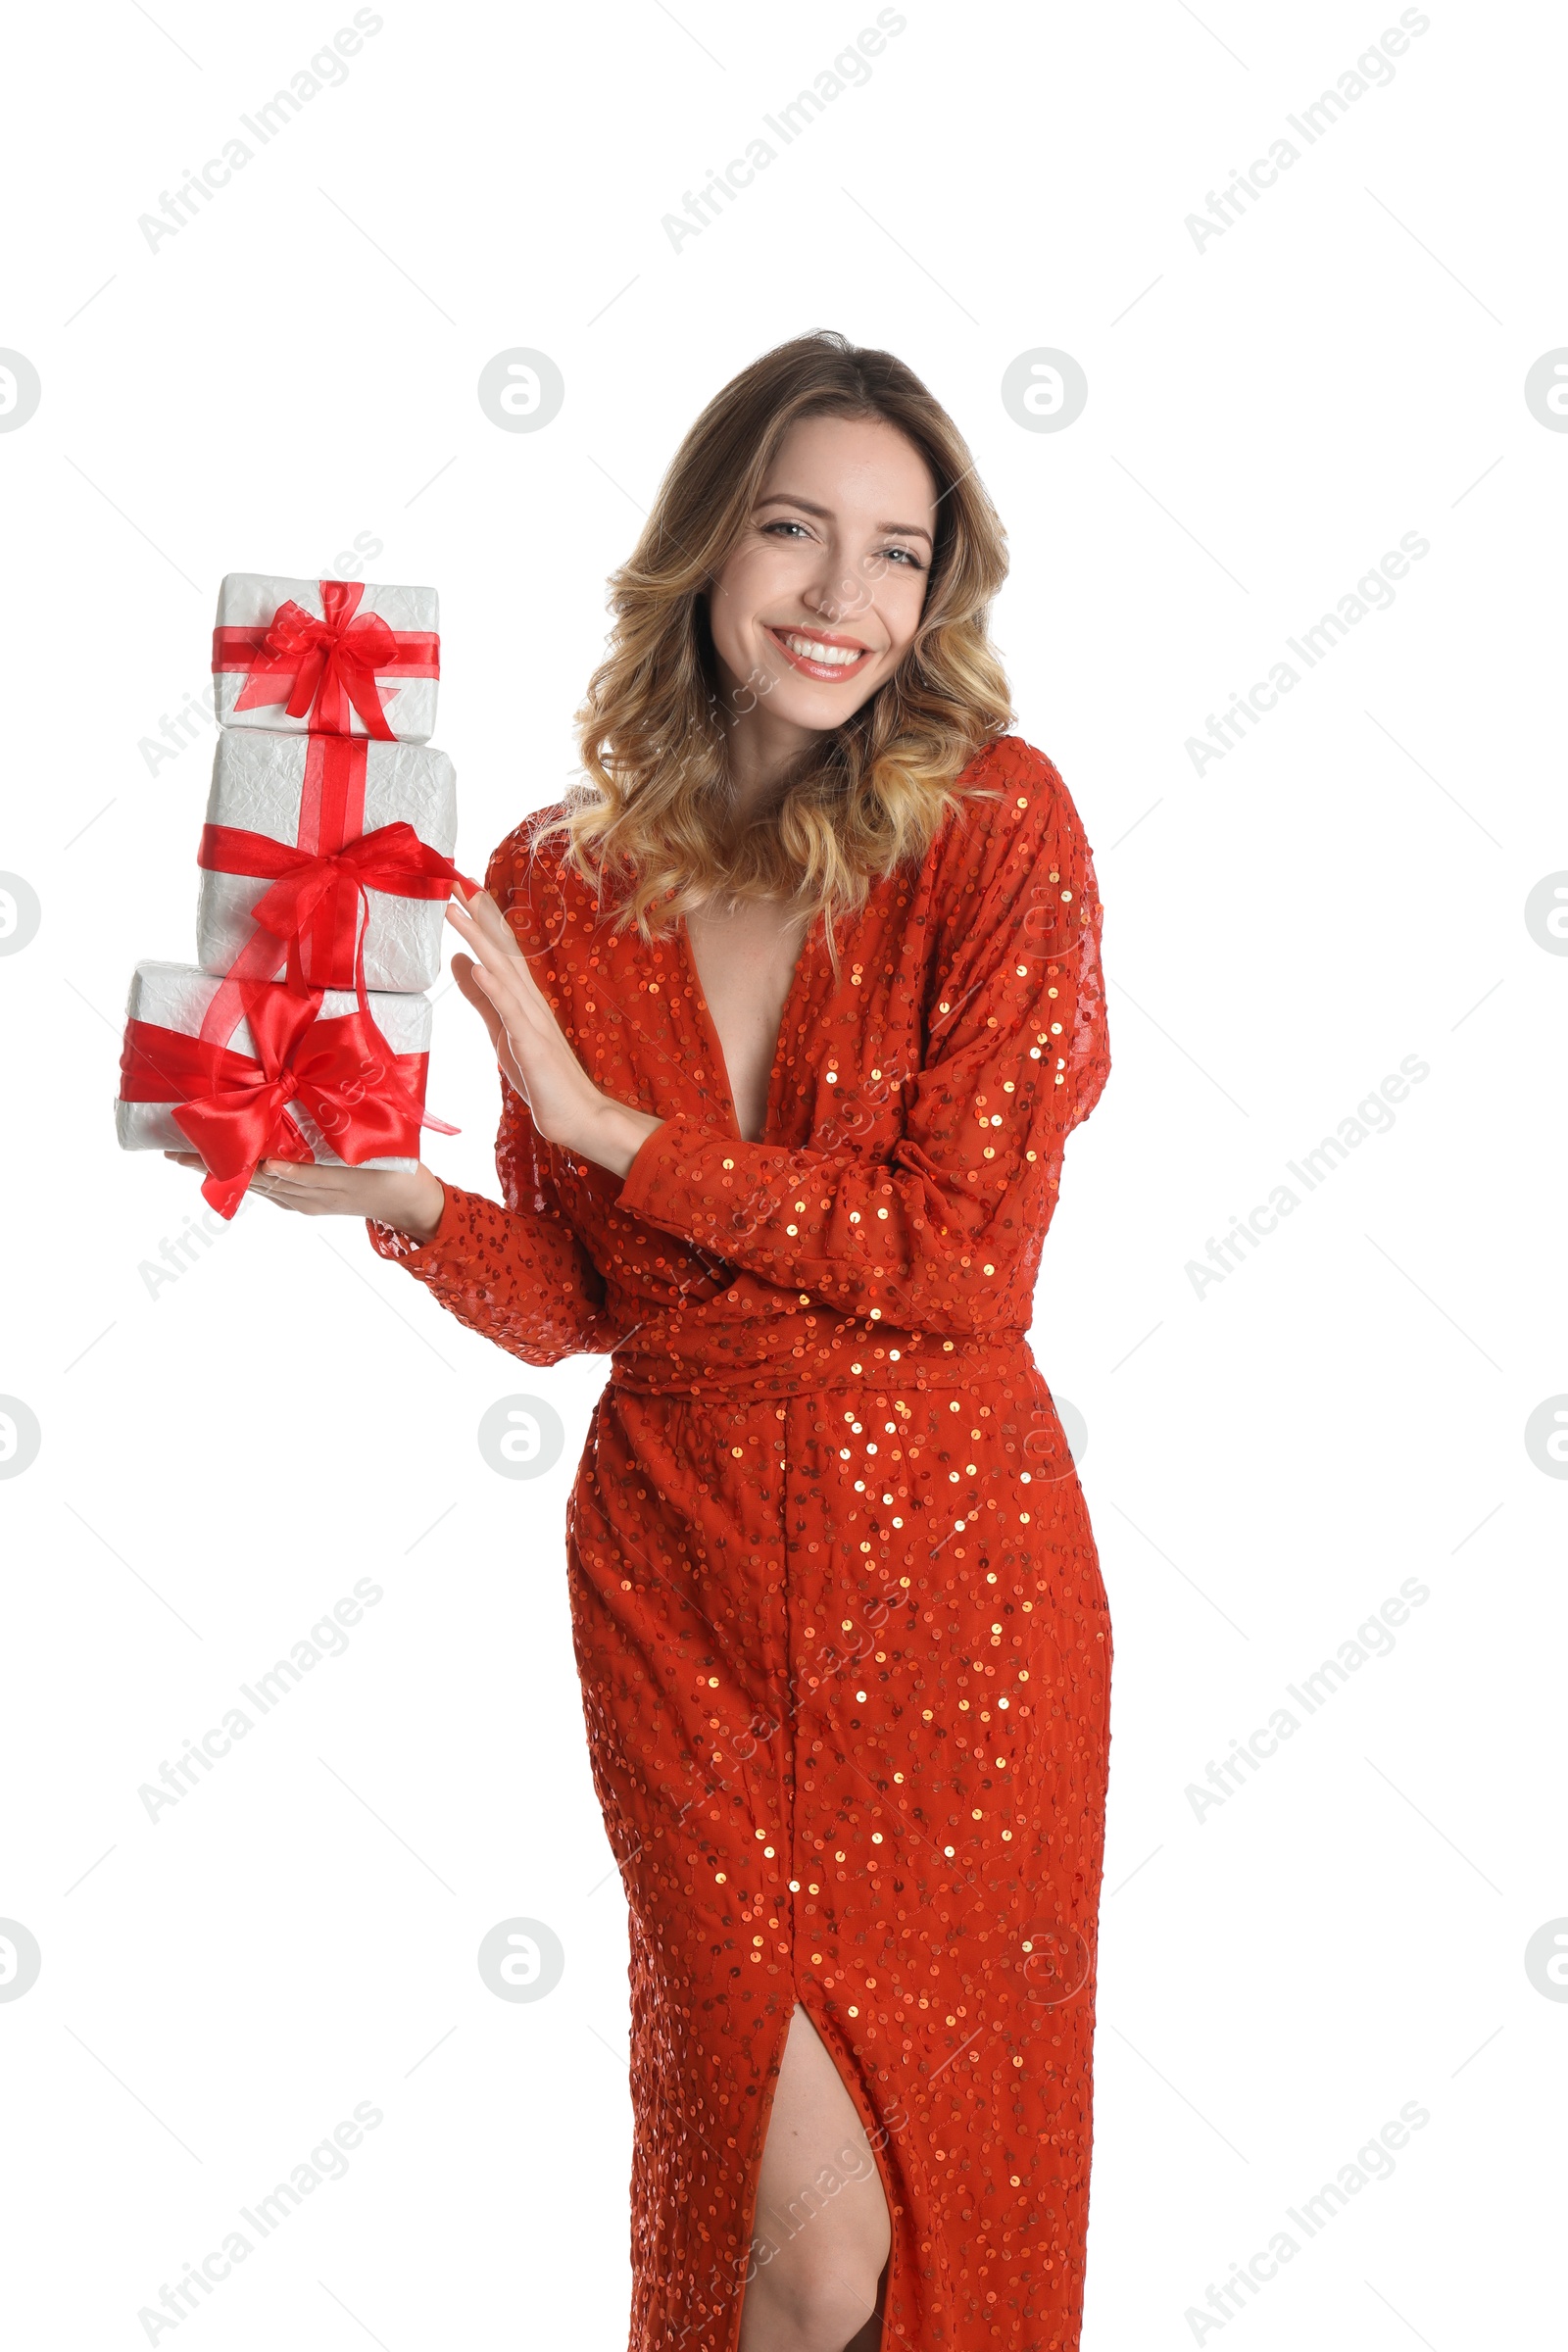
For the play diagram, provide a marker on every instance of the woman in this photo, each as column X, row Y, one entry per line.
column 795, row 1008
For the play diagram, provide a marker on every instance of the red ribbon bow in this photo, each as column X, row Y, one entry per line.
column 331, row 661
column 233, row 1108
column 364, row 1099
column 392, row 858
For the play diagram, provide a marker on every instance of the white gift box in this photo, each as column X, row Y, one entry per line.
column 249, row 604
column 315, row 793
column 176, row 996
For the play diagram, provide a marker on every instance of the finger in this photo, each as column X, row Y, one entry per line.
column 482, row 909
column 499, row 1033
column 491, row 937
column 187, row 1160
column 515, row 1024
column 292, row 1190
column 296, row 1180
column 481, row 921
column 462, row 970
column 486, row 947
column 484, row 950
column 506, row 983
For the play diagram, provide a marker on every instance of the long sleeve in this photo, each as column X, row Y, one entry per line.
column 944, row 1234
column 518, row 1274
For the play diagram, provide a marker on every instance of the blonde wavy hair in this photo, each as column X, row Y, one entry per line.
column 651, row 828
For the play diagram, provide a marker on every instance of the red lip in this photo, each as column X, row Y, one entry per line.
column 828, row 671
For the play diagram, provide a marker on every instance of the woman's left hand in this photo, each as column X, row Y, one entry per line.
column 409, row 1199
column 563, row 1102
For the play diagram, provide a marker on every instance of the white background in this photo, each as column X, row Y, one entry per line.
column 222, row 1455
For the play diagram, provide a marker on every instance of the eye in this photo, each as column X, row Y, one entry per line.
column 910, row 559
column 770, row 527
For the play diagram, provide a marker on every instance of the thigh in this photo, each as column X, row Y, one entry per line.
column 818, row 2172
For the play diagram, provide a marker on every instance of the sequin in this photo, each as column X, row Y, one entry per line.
column 847, row 1703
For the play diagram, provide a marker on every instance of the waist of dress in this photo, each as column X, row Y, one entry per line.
column 683, row 1353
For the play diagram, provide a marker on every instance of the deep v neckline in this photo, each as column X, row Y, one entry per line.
column 708, row 1028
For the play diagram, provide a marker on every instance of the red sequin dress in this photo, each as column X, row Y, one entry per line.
column 836, row 1604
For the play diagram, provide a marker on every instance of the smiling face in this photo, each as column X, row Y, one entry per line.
column 819, row 600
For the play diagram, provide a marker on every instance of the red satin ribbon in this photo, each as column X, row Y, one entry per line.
column 331, row 663
column 366, row 1101
column 233, row 1108
column 392, row 858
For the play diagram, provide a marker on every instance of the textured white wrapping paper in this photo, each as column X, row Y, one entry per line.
column 175, row 995
column 250, row 599
column 257, row 785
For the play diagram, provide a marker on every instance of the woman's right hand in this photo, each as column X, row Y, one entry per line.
column 565, row 1104
column 409, row 1201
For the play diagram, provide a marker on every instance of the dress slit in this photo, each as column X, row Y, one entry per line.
column 752, row 2175
column 848, row 2075
column 876, row 2134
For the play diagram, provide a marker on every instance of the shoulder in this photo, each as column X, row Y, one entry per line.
column 1012, row 809
column 531, row 879
column 529, row 845
column 1008, row 778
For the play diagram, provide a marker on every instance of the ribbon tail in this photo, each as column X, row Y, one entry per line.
column 415, row 1109
column 307, row 681
column 333, row 707
column 225, row 1192
column 241, row 1139
column 363, row 693
column 362, row 921
column 269, row 683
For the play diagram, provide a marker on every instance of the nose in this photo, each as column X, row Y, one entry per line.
column 821, row 599
column 826, row 593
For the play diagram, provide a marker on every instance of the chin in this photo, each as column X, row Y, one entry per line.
column 818, row 708
column 810, row 703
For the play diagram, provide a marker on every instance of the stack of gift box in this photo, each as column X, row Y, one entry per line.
column 302, row 1031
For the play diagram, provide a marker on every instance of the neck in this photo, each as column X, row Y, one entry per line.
column 760, row 753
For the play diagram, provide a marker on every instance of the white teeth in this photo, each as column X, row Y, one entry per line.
column 837, row 657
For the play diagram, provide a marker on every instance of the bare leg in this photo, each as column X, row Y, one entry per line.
column 820, row 2214
column 869, row 2338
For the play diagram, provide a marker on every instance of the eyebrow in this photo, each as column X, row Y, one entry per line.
column 900, row 531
